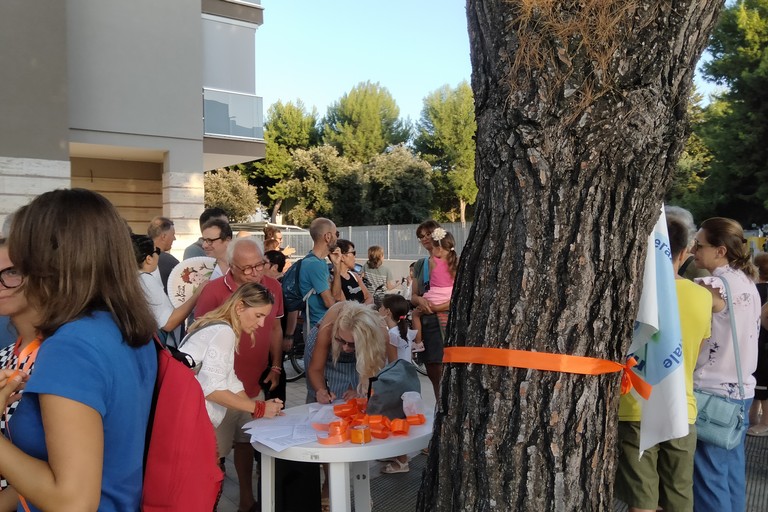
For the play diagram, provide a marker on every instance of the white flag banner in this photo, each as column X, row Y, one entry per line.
column 657, row 346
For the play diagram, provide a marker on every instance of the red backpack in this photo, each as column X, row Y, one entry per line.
column 181, row 470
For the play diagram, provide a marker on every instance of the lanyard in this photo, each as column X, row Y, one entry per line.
column 27, row 355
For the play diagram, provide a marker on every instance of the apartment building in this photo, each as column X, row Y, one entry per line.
column 134, row 99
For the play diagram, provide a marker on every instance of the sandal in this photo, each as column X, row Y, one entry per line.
column 395, row 467
column 325, row 504
column 758, row 431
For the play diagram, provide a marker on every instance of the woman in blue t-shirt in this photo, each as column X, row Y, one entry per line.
column 79, row 429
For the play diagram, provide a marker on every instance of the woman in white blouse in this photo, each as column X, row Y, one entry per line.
column 719, row 247
column 169, row 319
column 212, row 342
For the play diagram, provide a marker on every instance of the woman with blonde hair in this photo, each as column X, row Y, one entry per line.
column 344, row 350
column 212, row 342
column 719, row 482
column 78, row 433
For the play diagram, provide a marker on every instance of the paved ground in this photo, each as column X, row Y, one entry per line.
column 397, row 493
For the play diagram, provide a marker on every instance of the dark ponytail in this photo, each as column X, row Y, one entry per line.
column 399, row 307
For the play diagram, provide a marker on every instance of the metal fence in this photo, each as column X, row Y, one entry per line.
column 398, row 240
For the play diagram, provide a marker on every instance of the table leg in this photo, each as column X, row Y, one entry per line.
column 338, row 485
column 361, row 483
column 267, row 483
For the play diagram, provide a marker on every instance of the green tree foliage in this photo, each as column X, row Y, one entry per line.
column 736, row 126
column 364, row 122
column 399, row 188
column 288, row 127
column 321, row 179
column 693, row 166
column 230, row 191
column 446, row 140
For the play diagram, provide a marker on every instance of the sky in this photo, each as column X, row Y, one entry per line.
column 317, row 51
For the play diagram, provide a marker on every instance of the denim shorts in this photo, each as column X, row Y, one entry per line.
column 719, row 475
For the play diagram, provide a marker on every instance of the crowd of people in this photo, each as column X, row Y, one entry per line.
column 723, row 338
column 85, row 304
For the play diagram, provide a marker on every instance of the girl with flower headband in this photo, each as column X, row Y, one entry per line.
column 443, row 274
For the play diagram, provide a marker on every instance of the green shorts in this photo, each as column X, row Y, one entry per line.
column 664, row 475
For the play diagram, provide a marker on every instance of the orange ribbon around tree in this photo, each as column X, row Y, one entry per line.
column 549, row 362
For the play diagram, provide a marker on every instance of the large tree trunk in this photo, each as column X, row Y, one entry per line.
column 580, row 111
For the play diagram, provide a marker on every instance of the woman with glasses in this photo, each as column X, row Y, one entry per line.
column 21, row 354
column 78, row 434
column 345, row 349
column 169, row 319
column 719, row 482
column 352, row 287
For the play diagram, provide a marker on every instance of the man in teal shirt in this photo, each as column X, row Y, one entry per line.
column 314, row 274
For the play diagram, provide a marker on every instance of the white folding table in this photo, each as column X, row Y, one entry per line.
column 344, row 460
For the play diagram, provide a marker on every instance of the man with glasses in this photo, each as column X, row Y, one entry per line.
column 196, row 249
column 314, row 273
column 247, row 265
column 216, row 238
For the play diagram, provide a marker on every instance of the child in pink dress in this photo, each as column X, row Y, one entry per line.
column 442, row 271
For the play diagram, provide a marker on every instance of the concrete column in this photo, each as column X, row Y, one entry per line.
column 183, row 202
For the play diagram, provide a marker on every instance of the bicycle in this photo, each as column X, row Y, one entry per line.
column 295, row 356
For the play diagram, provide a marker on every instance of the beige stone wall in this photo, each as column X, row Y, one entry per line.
column 21, row 179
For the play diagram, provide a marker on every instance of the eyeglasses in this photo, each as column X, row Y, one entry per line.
column 331, row 232
column 11, row 278
column 210, row 241
column 423, row 236
column 697, row 245
column 157, row 251
column 345, row 343
column 250, row 269
column 353, row 253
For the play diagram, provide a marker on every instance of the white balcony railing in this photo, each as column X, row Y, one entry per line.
column 232, row 114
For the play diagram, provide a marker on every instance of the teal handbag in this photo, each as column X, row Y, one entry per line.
column 719, row 420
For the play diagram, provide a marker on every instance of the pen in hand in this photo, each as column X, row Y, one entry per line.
column 328, row 390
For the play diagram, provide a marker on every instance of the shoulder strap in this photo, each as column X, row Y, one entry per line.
column 731, row 315
column 682, row 269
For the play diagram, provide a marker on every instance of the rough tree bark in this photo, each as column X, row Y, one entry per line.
column 580, row 110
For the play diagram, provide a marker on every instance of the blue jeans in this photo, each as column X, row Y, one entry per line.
column 719, row 479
